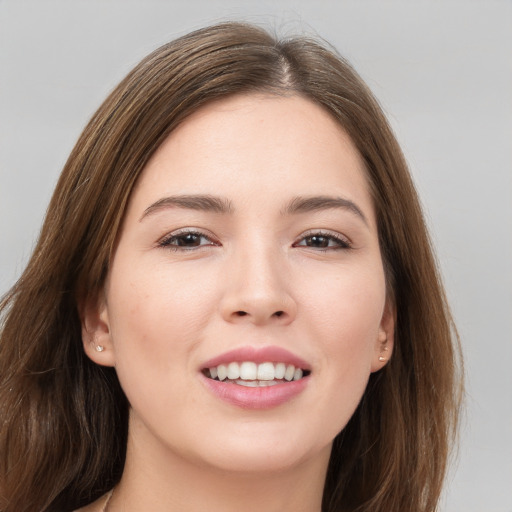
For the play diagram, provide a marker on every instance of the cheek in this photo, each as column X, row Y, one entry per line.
column 344, row 316
column 156, row 317
column 346, row 308
column 162, row 297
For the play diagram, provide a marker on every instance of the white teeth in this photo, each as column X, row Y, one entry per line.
column 233, row 371
column 248, row 383
column 222, row 371
column 256, row 383
column 248, row 371
column 290, row 372
column 266, row 371
column 253, row 375
column 280, row 370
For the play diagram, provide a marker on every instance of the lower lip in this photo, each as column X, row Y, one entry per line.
column 256, row 398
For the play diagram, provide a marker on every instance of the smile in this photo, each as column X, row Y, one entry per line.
column 256, row 377
column 251, row 374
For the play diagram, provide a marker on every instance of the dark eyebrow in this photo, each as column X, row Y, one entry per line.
column 314, row 203
column 205, row 203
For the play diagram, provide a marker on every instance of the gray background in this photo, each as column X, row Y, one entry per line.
column 443, row 72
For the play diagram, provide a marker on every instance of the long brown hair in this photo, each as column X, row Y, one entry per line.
column 64, row 419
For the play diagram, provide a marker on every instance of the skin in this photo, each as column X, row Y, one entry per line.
column 167, row 310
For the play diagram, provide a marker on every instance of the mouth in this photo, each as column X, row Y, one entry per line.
column 251, row 377
column 252, row 374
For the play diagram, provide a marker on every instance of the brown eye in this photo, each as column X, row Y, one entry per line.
column 317, row 241
column 186, row 240
column 323, row 241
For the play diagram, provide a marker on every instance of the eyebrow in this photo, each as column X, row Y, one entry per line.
column 205, row 203
column 209, row 203
column 317, row 203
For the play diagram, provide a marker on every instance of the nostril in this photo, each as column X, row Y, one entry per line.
column 258, row 317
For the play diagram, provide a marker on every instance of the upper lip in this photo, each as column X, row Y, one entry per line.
column 271, row 353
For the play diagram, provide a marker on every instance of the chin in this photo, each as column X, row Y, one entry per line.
column 264, row 454
column 251, row 463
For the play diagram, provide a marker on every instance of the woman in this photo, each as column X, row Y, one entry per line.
column 233, row 303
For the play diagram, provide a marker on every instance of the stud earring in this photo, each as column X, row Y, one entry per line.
column 382, row 359
column 100, row 348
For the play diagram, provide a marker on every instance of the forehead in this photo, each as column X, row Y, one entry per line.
column 255, row 144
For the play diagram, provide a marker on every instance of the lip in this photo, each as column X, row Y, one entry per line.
column 257, row 397
column 270, row 354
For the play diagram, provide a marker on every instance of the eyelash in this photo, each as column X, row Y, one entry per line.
column 340, row 243
column 167, row 242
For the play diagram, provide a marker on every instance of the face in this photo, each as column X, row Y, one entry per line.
column 249, row 249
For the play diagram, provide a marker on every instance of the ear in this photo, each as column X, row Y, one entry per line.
column 385, row 337
column 96, row 335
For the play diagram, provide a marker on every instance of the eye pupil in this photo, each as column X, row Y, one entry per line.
column 188, row 240
column 317, row 241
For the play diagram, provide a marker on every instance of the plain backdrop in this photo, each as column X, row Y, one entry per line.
column 443, row 73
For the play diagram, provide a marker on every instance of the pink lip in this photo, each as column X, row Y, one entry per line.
column 257, row 397
column 270, row 354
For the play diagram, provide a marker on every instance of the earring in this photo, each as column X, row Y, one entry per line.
column 100, row 348
column 384, row 349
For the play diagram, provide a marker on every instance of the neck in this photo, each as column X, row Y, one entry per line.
column 159, row 480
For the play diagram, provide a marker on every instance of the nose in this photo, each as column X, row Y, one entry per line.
column 257, row 290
